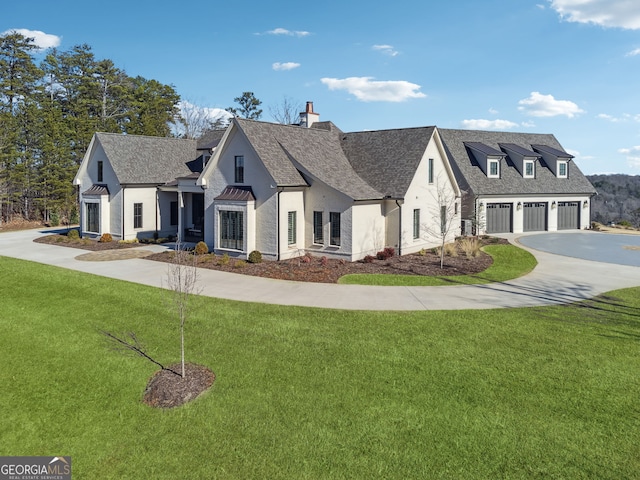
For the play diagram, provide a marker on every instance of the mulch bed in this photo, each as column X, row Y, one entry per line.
column 317, row 269
column 84, row 243
column 168, row 390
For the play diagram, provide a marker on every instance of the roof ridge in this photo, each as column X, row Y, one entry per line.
column 154, row 137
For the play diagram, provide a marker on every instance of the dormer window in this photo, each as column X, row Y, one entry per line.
column 529, row 169
column 562, row 169
column 494, row 169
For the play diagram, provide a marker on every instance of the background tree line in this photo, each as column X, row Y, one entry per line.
column 618, row 199
column 49, row 112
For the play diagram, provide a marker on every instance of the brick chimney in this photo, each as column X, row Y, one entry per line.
column 308, row 117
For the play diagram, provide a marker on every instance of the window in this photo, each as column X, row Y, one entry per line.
column 231, row 230
column 239, row 169
column 174, row 213
column 334, row 227
column 100, row 170
column 93, row 217
column 529, row 171
column 137, row 215
column 291, row 228
column 562, row 169
column 431, row 170
column 494, row 171
column 416, row 223
column 318, row 234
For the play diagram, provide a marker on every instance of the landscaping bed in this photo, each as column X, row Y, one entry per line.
column 324, row 270
column 84, row 243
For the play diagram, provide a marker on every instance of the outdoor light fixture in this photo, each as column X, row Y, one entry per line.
column 553, row 204
column 585, row 204
column 519, row 205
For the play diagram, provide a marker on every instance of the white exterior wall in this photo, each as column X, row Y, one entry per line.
column 368, row 230
column 261, row 233
column 291, row 202
column 428, row 197
column 146, row 196
column 321, row 198
column 164, row 213
column 552, row 211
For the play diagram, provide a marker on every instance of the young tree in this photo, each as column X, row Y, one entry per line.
column 248, row 107
column 287, row 112
column 444, row 215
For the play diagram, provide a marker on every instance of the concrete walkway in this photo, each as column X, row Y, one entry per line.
column 556, row 279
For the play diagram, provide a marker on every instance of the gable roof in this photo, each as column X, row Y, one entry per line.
column 210, row 139
column 289, row 151
column 387, row 159
column 138, row 159
column 471, row 177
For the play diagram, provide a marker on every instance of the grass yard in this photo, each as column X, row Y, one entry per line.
column 307, row 393
column 509, row 262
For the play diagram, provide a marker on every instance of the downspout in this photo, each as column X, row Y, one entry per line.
column 123, row 217
column 278, row 223
column 399, row 228
column 157, row 204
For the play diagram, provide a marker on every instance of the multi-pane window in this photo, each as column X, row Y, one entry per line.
column 493, row 168
column 334, row 227
column 231, row 230
column 137, row 215
column 291, row 228
column 528, row 169
column 431, row 170
column 318, row 234
column 174, row 213
column 100, row 170
column 416, row 223
column 239, row 169
column 562, row 169
column 93, row 217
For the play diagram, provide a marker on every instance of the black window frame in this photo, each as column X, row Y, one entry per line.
column 137, row 215
column 239, row 169
column 292, row 220
column 335, row 230
column 231, row 234
column 318, row 228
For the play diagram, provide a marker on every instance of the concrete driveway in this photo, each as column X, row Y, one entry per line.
column 557, row 279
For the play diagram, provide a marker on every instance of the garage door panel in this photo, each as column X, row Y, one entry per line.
column 499, row 217
column 535, row 216
column 568, row 215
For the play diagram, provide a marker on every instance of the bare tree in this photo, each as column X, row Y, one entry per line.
column 287, row 112
column 182, row 279
column 444, row 215
column 193, row 121
column 128, row 343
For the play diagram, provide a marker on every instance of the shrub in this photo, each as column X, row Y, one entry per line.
column 625, row 223
column 106, row 238
column 324, row 261
column 422, row 252
column 255, row 257
column 73, row 234
column 224, row 260
column 470, row 246
column 451, row 250
column 54, row 219
column 306, row 259
column 133, row 240
column 368, row 259
column 388, row 252
column 201, row 248
column 240, row 264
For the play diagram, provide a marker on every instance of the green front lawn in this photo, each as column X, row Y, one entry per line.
column 309, row 393
column 509, row 262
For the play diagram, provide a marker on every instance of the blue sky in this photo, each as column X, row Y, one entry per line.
column 567, row 67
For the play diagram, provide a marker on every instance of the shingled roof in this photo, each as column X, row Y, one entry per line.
column 387, row 159
column 470, row 175
column 138, row 159
column 289, row 151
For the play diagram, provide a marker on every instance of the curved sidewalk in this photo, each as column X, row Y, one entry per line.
column 556, row 279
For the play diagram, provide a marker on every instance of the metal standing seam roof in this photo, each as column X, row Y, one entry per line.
column 472, row 179
column 138, row 159
column 289, row 151
column 525, row 152
column 96, row 189
column 237, row 194
column 552, row 151
column 486, row 149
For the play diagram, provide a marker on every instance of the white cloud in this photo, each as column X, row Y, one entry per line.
column 386, row 49
column 626, row 117
column 284, row 66
column 606, row 13
column 367, row 89
column 40, row 39
column 493, row 111
column 633, row 53
column 482, row 124
column 633, row 156
column 609, row 118
column 290, row 33
column 538, row 105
